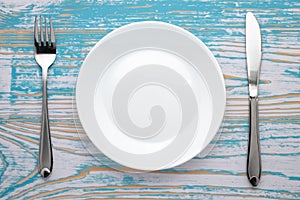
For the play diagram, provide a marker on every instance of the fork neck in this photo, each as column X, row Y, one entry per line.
column 44, row 74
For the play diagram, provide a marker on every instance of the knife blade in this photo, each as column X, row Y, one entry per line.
column 254, row 55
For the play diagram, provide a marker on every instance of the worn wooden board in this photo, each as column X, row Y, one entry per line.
column 220, row 175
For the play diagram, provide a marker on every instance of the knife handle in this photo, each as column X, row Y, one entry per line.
column 254, row 158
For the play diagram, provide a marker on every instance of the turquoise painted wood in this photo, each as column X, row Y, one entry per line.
column 221, row 174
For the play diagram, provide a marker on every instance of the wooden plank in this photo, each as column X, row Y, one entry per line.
column 219, row 175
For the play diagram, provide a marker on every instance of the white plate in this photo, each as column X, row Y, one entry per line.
column 148, row 90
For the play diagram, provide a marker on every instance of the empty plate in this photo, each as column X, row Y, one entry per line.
column 150, row 95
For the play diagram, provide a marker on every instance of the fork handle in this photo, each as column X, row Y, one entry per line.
column 45, row 153
column 254, row 158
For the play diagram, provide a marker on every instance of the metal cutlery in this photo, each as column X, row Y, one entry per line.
column 254, row 54
column 44, row 54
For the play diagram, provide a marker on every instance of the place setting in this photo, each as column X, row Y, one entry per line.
column 150, row 96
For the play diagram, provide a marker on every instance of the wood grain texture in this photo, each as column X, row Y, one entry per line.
column 221, row 174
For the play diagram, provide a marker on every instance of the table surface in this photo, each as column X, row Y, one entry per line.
column 221, row 174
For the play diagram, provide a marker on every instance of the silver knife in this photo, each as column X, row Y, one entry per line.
column 254, row 54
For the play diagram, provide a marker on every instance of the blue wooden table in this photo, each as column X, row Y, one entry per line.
column 221, row 174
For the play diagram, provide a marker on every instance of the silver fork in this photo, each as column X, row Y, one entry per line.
column 44, row 54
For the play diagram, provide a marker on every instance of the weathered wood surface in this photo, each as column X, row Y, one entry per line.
column 220, row 175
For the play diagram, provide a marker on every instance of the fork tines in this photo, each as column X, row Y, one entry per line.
column 41, row 36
